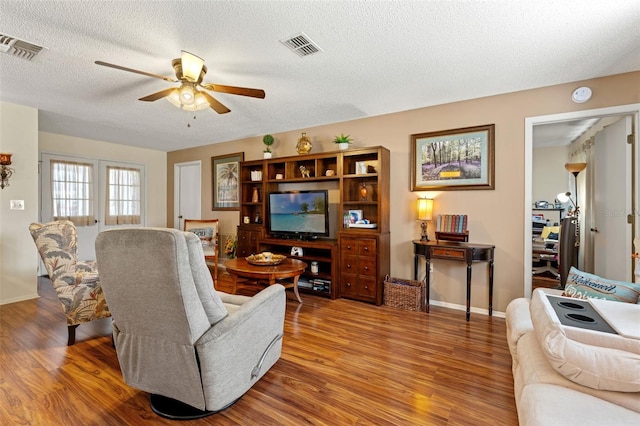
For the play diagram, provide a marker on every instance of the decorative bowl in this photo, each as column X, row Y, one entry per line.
column 262, row 260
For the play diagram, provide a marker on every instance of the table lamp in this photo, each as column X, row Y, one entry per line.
column 425, row 213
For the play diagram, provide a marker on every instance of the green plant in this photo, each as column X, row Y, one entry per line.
column 268, row 140
column 342, row 139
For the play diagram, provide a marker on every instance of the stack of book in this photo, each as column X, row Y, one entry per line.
column 453, row 223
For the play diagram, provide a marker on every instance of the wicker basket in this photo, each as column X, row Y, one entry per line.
column 404, row 294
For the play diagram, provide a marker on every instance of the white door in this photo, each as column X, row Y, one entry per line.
column 86, row 234
column 612, row 201
column 97, row 203
column 186, row 190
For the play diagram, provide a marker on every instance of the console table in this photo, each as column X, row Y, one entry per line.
column 456, row 251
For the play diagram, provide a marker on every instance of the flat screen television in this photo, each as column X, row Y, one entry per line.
column 299, row 214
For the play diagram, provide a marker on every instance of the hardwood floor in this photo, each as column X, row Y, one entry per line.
column 343, row 363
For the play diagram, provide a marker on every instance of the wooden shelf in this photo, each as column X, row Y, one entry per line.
column 347, row 172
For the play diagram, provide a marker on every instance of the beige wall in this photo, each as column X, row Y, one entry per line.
column 495, row 217
column 18, row 258
column 19, row 135
column 549, row 177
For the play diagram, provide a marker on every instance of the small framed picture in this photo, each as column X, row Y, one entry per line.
column 361, row 167
column 355, row 216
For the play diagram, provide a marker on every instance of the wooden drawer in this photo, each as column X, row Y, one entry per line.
column 349, row 264
column 349, row 246
column 367, row 266
column 367, row 247
column 448, row 253
column 358, row 287
column 367, row 287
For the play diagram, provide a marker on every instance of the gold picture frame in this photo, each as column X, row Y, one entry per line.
column 457, row 159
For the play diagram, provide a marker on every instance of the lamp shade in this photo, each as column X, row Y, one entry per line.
column 191, row 66
column 425, row 208
column 575, row 167
column 563, row 197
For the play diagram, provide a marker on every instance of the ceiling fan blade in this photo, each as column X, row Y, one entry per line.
column 233, row 90
column 148, row 74
column 215, row 105
column 158, row 95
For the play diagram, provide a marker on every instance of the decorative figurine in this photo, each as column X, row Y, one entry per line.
column 305, row 172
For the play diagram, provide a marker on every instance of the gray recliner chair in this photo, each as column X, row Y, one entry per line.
column 195, row 350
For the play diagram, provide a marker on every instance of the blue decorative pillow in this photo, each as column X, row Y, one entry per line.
column 582, row 285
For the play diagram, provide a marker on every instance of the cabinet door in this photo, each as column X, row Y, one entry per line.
column 247, row 242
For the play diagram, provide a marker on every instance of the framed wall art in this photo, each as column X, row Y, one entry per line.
column 225, row 174
column 456, row 159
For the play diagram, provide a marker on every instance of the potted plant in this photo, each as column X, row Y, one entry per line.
column 268, row 140
column 342, row 141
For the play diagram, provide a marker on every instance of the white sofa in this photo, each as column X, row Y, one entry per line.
column 571, row 376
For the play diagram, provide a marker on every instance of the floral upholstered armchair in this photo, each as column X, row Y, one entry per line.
column 76, row 283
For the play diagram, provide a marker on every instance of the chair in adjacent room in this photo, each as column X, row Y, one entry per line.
column 545, row 251
column 208, row 231
column 194, row 349
column 76, row 283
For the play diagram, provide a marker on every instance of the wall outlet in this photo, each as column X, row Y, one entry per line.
column 16, row 205
column 431, row 267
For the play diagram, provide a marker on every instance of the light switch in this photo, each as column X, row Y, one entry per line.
column 17, row 205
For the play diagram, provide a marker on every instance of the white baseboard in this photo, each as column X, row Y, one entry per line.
column 19, row 299
column 463, row 308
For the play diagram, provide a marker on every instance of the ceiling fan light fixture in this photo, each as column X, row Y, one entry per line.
column 187, row 94
column 191, row 66
column 198, row 103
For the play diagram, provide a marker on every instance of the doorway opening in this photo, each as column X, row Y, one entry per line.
column 632, row 110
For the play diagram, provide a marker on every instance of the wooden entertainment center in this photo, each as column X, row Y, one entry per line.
column 355, row 260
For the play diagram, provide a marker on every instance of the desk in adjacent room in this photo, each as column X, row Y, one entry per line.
column 457, row 251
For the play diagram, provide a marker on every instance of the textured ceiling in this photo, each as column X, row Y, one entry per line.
column 378, row 57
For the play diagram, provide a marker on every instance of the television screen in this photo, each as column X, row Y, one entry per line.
column 299, row 213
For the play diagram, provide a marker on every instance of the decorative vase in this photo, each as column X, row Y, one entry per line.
column 266, row 154
column 304, row 144
column 255, row 198
column 363, row 191
column 343, row 146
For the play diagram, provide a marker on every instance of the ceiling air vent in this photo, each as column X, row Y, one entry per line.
column 17, row 47
column 301, row 45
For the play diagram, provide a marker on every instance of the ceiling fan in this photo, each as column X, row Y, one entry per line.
column 190, row 70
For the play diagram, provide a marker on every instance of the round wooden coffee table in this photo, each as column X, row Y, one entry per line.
column 289, row 268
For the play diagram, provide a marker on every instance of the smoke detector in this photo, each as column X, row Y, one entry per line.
column 20, row 48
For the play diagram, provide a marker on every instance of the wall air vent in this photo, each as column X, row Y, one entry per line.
column 20, row 48
column 301, row 45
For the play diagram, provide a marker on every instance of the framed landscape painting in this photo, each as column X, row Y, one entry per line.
column 225, row 173
column 454, row 159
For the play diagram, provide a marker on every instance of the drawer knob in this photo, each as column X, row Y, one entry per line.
column 366, row 268
column 447, row 252
column 366, row 287
column 348, row 284
column 348, row 247
column 348, row 266
column 366, row 249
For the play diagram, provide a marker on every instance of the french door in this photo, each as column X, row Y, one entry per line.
column 96, row 194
